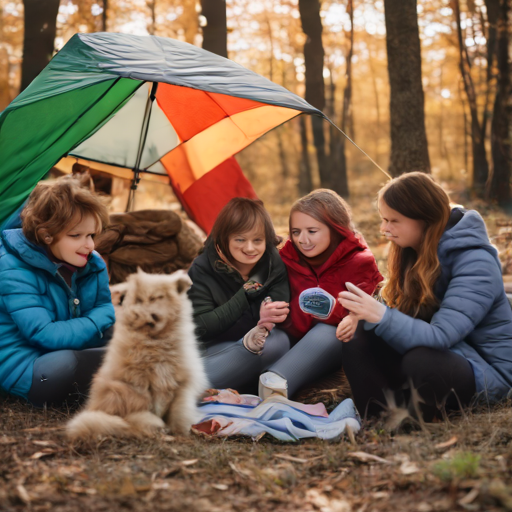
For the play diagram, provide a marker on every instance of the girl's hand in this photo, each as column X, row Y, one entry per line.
column 273, row 313
column 347, row 327
column 362, row 305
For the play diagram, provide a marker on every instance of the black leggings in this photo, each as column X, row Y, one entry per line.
column 441, row 377
column 64, row 375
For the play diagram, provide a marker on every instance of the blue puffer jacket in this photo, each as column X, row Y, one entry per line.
column 40, row 313
column 474, row 319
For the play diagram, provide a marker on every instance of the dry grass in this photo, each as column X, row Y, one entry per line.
column 464, row 464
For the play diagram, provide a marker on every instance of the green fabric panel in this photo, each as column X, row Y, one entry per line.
column 35, row 137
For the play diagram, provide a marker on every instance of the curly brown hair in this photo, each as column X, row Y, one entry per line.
column 55, row 205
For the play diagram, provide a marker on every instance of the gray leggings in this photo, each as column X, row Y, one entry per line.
column 316, row 355
column 230, row 365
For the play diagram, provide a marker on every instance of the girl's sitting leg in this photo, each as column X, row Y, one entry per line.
column 64, row 375
column 317, row 354
column 230, row 365
column 442, row 378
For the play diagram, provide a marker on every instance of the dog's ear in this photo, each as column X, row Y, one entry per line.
column 183, row 281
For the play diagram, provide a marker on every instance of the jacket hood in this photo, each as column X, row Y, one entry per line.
column 351, row 242
column 468, row 233
column 36, row 256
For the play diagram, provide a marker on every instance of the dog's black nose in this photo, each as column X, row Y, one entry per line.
column 156, row 318
column 150, row 325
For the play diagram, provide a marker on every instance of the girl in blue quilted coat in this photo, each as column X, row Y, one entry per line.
column 446, row 328
column 55, row 303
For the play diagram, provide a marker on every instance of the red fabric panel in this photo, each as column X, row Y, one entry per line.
column 189, row 111
column 208, row 195
column 232, row 105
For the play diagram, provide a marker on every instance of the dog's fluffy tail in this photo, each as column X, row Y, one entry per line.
column 90, row 424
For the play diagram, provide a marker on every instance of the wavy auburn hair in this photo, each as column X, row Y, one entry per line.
column 325, row 206
column 412, row 275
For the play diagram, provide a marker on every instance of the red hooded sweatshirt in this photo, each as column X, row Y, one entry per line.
column 351, row 261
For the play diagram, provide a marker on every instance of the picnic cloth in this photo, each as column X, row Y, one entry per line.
column 278, row 416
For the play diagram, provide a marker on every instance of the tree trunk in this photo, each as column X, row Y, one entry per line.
column 215, row 33
column 500, row 141
column 409, row 148
column 104, row 15
column 480, row 163
column 341, row 182
column 315, row 87
column 39, row 37
column 305, row 181
column 152, row 11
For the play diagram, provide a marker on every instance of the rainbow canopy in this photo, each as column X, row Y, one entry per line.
column 145, row 103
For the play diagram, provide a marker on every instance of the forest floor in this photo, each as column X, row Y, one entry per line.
column 461, row 464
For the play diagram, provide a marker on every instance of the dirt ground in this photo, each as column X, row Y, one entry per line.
column 463, row 464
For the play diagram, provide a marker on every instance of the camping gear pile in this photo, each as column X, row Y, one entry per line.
column 157, row 241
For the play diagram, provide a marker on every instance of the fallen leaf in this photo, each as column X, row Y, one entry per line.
column 380, row 495
column 408, row 468
column 77, row 489
column 44, row 443
column 7, row 440
column 127, row 488
column 41, row 454
column 220, row 487
column 470, row 497
column 290, row 458
column 367, row 457
column 446, row 444
column 189, row 462
column 242, row 472
column 23, row 494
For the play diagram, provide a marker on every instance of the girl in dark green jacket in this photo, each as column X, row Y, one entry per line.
column 240, row 291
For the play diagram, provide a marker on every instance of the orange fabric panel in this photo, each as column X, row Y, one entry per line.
column 189, row 111
column 177, row 167
column 232, row 105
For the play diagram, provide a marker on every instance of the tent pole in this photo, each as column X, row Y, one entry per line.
column 130, row 205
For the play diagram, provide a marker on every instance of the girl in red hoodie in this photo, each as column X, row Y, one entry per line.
column 323, row 253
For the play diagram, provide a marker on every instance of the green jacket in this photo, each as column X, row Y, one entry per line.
column 223, row 310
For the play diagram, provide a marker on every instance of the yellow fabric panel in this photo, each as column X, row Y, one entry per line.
column 212, row 146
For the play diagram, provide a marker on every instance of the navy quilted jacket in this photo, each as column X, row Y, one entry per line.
column 474, row 319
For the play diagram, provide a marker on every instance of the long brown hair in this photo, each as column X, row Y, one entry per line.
column 326, row 207
column 412, row 275
column 239, row 216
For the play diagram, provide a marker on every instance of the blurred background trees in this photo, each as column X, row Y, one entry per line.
column 392, row 74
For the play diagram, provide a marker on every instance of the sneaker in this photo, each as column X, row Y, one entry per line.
column 271, row 383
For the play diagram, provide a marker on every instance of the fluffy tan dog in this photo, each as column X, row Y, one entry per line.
column 152, row 374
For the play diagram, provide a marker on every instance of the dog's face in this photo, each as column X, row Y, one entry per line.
column 153, row 302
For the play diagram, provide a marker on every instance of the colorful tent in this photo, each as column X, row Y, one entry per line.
column 145, row 103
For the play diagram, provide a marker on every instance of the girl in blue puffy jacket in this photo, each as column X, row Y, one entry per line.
column 446, row 329
column 55, row 303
